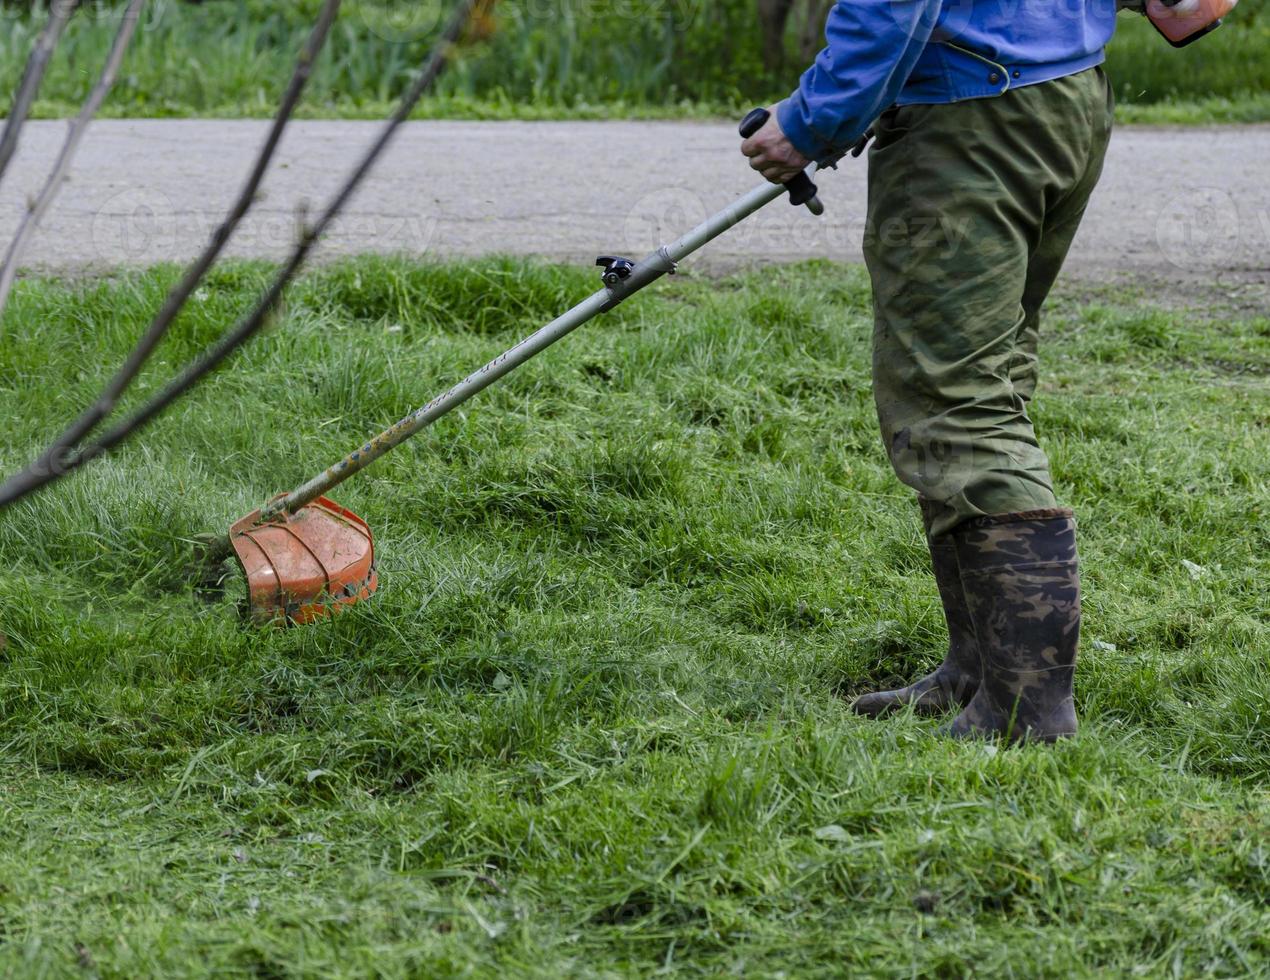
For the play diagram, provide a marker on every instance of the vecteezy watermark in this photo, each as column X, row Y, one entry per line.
column 405, row 21
column 933, row 465
column 681, row 14
column 271, row 234
column 136, row 225
column 401, row 21
column 953, row 16
column 1200, row 227
column 661, row 216
column 140, row 225
column 778, row 231
column 37, row 14
column 931, row 232
column 88, row 11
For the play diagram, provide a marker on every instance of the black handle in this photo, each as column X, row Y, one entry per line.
column 755, row 120
column 801, row 189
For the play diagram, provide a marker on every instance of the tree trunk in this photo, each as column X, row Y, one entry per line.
column 773, row 16
column 811, row 37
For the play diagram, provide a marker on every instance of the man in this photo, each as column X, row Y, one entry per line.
column 991, row 125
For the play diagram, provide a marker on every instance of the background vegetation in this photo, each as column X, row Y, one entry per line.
column 587, row 58
column 593, row 724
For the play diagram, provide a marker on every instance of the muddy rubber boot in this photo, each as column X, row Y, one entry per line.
column 1021, row 582
column 955, row 681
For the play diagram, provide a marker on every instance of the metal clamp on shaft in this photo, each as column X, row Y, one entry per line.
column 801, row 188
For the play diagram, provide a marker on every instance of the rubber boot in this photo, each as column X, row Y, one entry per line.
column 1020, row 579
column 955, row 681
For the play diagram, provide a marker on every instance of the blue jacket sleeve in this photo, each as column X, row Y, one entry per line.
column 873, row 47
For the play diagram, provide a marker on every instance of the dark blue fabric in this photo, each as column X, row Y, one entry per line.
column 887, row 52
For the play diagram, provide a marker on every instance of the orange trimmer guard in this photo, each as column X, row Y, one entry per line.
column 307, row 565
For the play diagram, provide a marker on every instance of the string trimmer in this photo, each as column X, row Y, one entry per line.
column 305, row 556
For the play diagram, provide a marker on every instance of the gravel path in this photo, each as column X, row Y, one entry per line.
column 1183, row 205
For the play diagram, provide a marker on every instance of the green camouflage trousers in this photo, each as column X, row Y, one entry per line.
column 972, row 209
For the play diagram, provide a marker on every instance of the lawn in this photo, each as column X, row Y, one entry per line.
column 572, row 59
column 594, row 723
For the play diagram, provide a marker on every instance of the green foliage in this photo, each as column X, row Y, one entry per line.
column 589, row 58
column 1233, row 63
column 591, row 725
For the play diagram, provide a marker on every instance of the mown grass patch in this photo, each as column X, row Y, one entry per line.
column 593, row 723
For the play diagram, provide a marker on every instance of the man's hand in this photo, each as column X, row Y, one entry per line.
column 773, row 155
column 1157, row 10
column 1183, row 8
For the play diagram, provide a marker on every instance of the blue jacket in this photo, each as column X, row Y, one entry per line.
column 900, row 52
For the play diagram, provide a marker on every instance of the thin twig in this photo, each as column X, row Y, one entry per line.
column 79, row 126
column 49, row 463
column 59, row 13
column 45, row 471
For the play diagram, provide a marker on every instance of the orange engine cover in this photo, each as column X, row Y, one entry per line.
column 1188, row 20
column 307, row 565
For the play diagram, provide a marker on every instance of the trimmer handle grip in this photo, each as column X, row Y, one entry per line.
column 801, row 188
column 754, row 120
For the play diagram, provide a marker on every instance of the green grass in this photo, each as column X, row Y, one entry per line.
column 655, row 58
column 593, row 724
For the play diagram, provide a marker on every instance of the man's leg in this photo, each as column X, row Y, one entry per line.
column 955, row 681
column 972, row 208
column 1062, row 220
column 1020, row 572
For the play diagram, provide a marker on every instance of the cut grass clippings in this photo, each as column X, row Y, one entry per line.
column 594, row 722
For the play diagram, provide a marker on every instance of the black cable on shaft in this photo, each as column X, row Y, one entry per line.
column 32, row 479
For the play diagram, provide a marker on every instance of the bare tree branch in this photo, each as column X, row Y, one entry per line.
column 48, row 464
column 59, row 13
column 61, row 460
column 31, row 220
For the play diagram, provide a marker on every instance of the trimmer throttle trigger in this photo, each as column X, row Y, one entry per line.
column 801, row 188
column 616, row 269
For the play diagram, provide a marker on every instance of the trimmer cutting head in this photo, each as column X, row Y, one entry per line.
column 304, row 566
